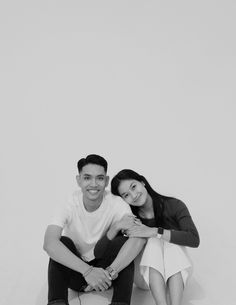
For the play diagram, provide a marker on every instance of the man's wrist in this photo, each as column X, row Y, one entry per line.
column 86, row 273
column 112, row 273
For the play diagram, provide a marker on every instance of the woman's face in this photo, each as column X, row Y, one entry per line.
column 133, row 192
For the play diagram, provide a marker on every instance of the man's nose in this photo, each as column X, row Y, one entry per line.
column 93, row 182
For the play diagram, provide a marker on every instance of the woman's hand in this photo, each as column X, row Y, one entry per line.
column 140, row 230
column 127, row 222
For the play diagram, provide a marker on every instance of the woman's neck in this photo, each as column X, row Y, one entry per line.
column 146, row 210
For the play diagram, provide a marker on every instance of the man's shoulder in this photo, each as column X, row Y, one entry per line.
column 108, row 196
column 114, row 201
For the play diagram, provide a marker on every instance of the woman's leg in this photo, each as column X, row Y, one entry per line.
column 157, row 286
column 59, row 277
column 176, row 288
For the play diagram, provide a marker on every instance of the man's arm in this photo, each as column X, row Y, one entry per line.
column 127, row 253
column 97, row 277
column 59, row 252
column 131, row 247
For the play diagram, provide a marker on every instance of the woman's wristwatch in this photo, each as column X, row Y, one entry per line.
column 112, row 273
column 160, row 232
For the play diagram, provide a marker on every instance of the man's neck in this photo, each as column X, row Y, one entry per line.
column 91, row 205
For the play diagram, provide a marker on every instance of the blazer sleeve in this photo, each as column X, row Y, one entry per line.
column 187, row 234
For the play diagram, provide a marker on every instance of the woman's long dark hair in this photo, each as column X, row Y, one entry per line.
column 129, row 174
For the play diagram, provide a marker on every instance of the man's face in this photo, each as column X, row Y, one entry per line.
column 93, row 181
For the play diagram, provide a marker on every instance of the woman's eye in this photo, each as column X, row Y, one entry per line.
column 125, row 196
column 133, row 186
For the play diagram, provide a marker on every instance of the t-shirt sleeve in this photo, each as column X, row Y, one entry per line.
column 62, row 216
column 121, row 209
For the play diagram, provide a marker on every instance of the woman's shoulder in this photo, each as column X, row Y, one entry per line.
column 174, row 204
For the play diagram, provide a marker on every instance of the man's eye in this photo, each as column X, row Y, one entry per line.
column 101, row 178
column 86, row 178
column 125, row 196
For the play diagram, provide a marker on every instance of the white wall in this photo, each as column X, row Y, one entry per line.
column 147, row 84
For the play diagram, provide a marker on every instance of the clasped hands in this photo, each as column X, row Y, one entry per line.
column 98, row 279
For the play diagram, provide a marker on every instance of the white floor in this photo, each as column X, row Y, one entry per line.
column 193, row 295
column 139, row 297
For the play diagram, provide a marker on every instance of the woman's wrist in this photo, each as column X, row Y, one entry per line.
column 158, row 232
column 163, row 233
column 154, row 232
column 166, row 235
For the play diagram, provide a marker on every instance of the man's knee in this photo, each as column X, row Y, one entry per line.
column 117, row 243
column 68, row 243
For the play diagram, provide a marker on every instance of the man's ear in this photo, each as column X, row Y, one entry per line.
column 107, row 180
column 78, row 180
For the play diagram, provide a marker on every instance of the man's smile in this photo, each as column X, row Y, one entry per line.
column 93, row 191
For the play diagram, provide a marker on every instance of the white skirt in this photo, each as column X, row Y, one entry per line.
column 165, row 257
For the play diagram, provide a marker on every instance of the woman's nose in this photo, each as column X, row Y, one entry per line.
column 133, row 195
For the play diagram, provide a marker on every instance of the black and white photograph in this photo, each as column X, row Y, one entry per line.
column 118, row 152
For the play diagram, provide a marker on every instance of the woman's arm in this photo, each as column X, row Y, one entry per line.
column 186, row 234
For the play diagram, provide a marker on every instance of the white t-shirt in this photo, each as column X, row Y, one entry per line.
column 86, row 228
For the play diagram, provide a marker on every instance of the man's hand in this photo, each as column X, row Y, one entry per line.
column 98, row 279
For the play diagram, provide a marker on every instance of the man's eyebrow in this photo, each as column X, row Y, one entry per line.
column 89, row 175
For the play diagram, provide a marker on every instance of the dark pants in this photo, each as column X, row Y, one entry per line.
column 60, row 278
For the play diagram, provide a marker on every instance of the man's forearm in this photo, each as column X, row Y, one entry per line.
column 61, row 254
column 128, row 252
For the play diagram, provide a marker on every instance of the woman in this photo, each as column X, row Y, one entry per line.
column 163, row 266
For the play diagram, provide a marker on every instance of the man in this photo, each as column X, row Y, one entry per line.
column 92, row 214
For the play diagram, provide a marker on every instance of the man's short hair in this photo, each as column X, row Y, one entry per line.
column 92, row 159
